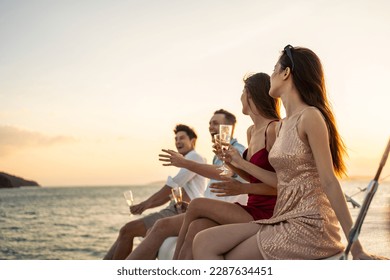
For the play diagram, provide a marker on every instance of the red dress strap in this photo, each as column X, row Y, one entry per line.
column 265, row 133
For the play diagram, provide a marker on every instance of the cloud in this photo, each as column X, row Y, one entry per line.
column 13, row 138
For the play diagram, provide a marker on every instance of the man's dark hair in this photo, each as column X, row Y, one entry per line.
column 230, row 118
column 182, row 127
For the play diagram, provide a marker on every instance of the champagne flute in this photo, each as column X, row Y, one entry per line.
column 217, row 142
column 129, row 198
column 177, row 194
column 225, row 135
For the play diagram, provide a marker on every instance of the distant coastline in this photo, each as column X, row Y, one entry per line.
column 12, row 181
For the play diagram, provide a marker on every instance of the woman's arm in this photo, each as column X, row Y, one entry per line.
column 242, row 173
column 234, row 187
column 267, row 177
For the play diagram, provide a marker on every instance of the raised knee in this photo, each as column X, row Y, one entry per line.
column 160, row 227
column 129, row 229
column 195, row 206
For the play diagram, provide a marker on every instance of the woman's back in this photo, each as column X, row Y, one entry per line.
column 310, row 224
column 299, row 187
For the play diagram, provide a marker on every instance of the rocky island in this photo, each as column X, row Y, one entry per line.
column 11, row 181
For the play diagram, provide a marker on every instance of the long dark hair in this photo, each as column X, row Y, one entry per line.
column 258, row 86
column 308, row 77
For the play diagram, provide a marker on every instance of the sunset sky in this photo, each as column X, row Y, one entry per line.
column 90, row 90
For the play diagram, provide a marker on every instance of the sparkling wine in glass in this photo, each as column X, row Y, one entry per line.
column 225, row 135
column 217, row 142
column 129, row 197
column 177, row 194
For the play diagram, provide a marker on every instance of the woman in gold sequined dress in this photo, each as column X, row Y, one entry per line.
column 307, row 156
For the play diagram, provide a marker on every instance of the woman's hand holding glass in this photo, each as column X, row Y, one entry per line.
column 233, row 157
column 220, row 152
column 230, row 156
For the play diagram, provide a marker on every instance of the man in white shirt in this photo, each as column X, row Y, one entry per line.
column 193, row 186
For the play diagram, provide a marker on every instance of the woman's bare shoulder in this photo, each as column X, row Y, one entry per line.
column 249, row 130
column 272, row 127
column 312, row 112
column 312, row 122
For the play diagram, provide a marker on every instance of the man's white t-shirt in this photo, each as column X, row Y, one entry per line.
column 193, row 183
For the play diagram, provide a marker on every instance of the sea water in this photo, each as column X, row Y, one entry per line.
column 81, row 223
column 63, row 222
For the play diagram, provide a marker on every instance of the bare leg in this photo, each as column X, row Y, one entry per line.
column 235, row 241
column 124, row 243
column 110, row 254
column 162, row 229
column 218, row 211
column 194, row 228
